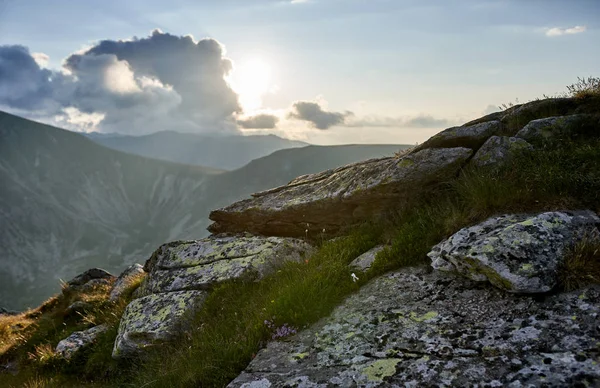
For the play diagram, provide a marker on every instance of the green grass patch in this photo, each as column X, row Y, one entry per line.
column 582, row 265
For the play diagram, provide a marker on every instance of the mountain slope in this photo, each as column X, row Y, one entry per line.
column 67, row 203
column 226, row 152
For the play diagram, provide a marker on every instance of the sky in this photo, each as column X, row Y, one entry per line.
column 321, row 71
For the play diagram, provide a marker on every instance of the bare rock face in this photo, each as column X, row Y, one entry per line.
column 328, row 201
column 79, row 340
column 123, row 280
column 559, row 127
column 417, row 328
column 517, row 253
column 470, row 136
column 180, row 277
column 498, row 149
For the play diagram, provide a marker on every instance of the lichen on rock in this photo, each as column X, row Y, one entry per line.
column 518, row 253
column 498, row 149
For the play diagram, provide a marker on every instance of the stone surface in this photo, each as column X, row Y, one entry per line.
column 559, row 127
column 180, row 275
column 200, row 264
column 417, row 328
column 77, row 308
column 469, row 136
column 365, row 261
column 499, row 148
column 150, row 320
column 518, row 253
column 123, row 280
column 318, row 204
column 77, row 341
column 88, row 280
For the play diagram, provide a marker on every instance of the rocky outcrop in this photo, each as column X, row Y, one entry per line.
column 180, row 275
column 498, row 149
column 150, row 320
column 517, row 253
column 79, row 340
column 130, row 273
column 364, row 262
column 559, row 127
column 415, row 328
column 88, row 280
column 326, row 202
column 470, row 136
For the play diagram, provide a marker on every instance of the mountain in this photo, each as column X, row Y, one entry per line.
column 224, row 152
column 67, row 203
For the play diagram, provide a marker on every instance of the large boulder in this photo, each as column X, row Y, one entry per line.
column 470, row 136
column 417, row 328
column 180, row 276
column 498, row 149
column 364, row 262
column 324, row 203
column 78, row 341
column 129, row 274
column 153, row 319
column 517, row 253
column 560, row 127
column 88, row 280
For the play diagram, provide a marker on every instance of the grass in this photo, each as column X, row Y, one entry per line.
column 241, row 316
column 29, row 339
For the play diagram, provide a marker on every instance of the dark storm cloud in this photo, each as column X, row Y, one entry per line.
column 137, row 86
column 261, row 121
column 23, row 84
column 195, row 69
column 317, row 116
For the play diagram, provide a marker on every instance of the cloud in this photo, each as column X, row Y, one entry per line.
column 318, row 117
column 137, row 86
column 557, row 31
column 260, row 121
column 420, row 121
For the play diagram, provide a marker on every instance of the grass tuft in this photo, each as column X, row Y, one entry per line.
column 582, row 265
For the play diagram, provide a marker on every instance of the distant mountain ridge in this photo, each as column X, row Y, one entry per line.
column 223, row 152
column 67, row 203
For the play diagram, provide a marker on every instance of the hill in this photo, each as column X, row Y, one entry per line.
column 223, row 152
column 67, row 203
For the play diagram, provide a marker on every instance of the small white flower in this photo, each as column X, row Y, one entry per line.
column 354, row 277
column 323, row 230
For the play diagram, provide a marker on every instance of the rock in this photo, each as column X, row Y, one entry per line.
column 79, row 340
column 123, row 280
column 200, row 264
column 559, row 127
column 77, row 307
column 417, row 328
column 89, row 280
column 469, row 136
column 365, row 261
column 318, row 204
column 153, row 319
column 517, row 253
column 180, row 275
column 499, row 148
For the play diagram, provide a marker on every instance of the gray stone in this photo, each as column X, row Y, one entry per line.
column 365, row 261
column 324, row 203
column 498, row 149
column 518, row 253
column 123, row 280
column 417, row 328
column 469, row 136
column 78, row 340
column 559, row 127
column 77, row 307
column 153, row 319
column 180, row 275
column 90, row 274
column 200, row 264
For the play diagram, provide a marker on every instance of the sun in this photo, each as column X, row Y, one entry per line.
column 251, row 80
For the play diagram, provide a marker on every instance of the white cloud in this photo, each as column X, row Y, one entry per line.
column 41, row 59
column 299, row 1
column 557, row 31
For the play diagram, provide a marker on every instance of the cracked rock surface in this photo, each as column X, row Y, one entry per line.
column 328, row 201
column 519, row 253
column 415, row 328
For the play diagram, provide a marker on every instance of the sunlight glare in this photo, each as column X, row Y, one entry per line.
column 252, row 80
